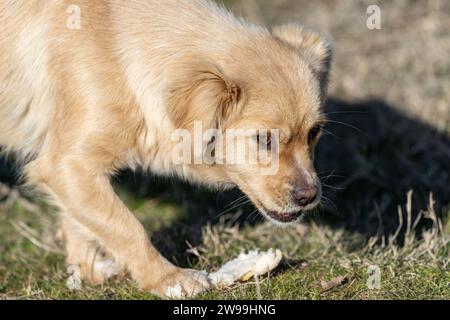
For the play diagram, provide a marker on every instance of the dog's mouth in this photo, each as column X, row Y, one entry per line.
column 278, row 216
column 284, row 217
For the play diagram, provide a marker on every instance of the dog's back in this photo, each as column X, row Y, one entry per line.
column 41, row 58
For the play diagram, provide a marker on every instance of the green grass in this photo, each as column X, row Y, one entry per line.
column 31, row 266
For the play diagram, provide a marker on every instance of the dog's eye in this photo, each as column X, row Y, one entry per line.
column 264, row 140
column 313, row 133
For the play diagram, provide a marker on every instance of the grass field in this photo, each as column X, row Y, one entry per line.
column 385, row 166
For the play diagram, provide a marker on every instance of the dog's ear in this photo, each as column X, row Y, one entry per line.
column 313, row 47
column 201, row 92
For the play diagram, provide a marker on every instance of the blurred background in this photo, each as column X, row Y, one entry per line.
column 384, row 163
column 405, row 64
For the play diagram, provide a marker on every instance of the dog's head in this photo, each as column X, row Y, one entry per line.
column 276, row 81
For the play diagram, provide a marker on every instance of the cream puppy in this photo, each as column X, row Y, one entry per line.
column 90, row 87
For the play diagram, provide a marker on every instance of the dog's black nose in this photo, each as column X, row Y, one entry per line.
column 305, row 195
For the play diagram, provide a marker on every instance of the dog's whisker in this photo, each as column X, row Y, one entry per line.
column 332, row 187
column 332, row 175
column 232, row 206
column 331, row 209
column 240, row 204
column 253, row 215
column 326, row 178
column 236, row 206
column 330, row 202
column 330, row 133
column 235, row 201
column 326, row 172
column 347, row 125
column 345, row 112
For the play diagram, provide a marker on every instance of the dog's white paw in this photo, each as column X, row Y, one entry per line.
column 107, row 268
column 187, row 284
column 181, row 284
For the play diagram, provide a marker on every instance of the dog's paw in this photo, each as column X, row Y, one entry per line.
column 107, row 268
column 182, row 284
column 96, row 272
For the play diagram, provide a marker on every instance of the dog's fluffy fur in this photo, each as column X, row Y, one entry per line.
column 79, row 104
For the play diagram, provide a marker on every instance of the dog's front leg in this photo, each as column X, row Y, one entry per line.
column 86, row 195
column 84, row 254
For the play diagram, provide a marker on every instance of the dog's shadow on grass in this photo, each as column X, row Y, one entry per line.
column 370, row 157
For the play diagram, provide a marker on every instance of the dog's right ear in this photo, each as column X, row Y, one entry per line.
column 315, row 49
column 201, row 92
